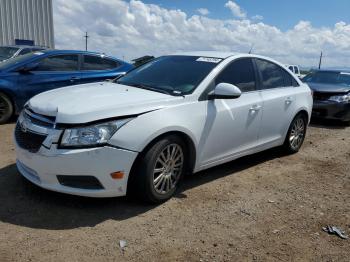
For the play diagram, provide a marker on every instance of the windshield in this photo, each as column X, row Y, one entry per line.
column 7, row 52
column 17, row 59
column 335, row 78
column 176, row 75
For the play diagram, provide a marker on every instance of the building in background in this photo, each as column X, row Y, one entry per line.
column 27, row 22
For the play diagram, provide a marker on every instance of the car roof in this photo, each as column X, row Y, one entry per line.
column 334, row 70
column 224, row 55
column 215, row 54
column 58, row 51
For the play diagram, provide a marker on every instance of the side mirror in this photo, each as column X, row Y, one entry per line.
column 225, row 91
column 27, row 68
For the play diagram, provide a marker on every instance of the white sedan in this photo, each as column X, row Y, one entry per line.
column 142, row 132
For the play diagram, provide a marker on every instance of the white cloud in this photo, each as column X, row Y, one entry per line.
column 236, row 9
column 134, row 29
column 258, row 17
column 203, row 11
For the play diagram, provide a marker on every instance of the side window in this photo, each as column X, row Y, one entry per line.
column 24, row 51
column 289, row 80
column 272, row 74
column 58, row 63
column 239, row 73
column 291, row 68
column 296, row 70
column 98, row 63
column 36, row 49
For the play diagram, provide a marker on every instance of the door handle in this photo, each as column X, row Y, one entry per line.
column 289, row 100
column 255, row 108
column 74, row 78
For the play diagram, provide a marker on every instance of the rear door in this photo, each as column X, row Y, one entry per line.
column 233, row 124
column 278, row 93
column 50, row 73
column 97, row 68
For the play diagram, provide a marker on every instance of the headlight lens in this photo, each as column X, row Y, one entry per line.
column 93, row 135
column 341, row 98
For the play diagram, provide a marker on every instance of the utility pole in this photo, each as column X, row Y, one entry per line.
column 251, row 49
column 320, row 63
column 86, row 40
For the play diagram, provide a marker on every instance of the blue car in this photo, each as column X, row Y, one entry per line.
column 25, row 76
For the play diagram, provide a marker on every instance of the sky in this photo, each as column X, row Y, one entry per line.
column 292, row 32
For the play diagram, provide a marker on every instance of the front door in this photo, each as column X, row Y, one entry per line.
column 50, row 73
column 232, row 125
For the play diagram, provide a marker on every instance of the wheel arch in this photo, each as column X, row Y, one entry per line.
column 190, row 146
column 305, row 113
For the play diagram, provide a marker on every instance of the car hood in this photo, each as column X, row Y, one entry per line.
column 96, row 101
column 328, row 88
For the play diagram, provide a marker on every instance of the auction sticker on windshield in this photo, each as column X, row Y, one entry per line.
column 209, row 59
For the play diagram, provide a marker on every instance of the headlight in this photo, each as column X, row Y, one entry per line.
column 340, row 98
column 93, row 135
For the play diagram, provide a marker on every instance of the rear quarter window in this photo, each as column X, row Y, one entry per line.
column 99, row 63
column 273, row 75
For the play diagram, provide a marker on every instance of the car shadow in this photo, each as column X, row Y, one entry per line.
column 25, row 204
column 328, row 123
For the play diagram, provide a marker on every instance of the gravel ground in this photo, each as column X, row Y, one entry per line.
column 265, row 207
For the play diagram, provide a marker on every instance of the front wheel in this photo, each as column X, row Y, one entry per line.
column 6, row 108
column 161, row 169
column 296, row 134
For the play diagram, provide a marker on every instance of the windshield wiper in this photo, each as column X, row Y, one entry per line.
column 146, row 87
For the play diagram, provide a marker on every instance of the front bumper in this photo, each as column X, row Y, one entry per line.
column 43, row 167
column 331, row 110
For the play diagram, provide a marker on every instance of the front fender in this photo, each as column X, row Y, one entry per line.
column 139, row 132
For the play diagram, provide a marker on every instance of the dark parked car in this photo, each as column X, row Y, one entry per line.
column 331, row 93
column 25, row 76
column 7, row 52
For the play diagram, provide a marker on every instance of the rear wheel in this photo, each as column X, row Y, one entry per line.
column 161, row 169
column 296, row 134
column 6, row 108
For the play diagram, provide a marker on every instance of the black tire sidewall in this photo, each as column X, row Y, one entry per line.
column 145, row 172
column 9, row 112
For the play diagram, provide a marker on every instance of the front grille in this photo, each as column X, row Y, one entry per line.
column 82, row 182
column 322, row 96
column 37, row 119
column 28, row 140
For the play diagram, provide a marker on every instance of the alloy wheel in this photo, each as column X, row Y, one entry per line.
column 168, row 168
column 297, row 133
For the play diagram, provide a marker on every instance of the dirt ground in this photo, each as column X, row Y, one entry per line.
column 265, row 207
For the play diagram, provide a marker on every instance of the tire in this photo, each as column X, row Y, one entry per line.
column 158, row 174
column 296, row 134
column 6, row 108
